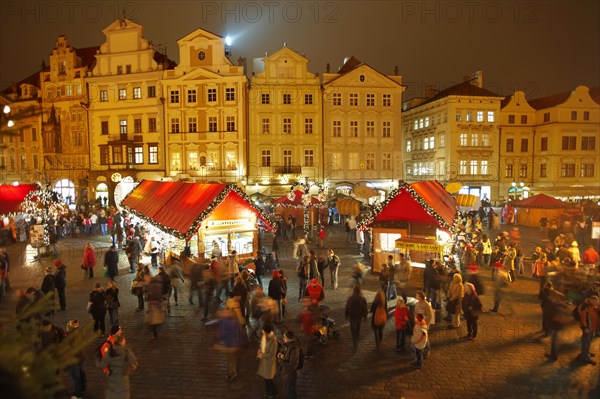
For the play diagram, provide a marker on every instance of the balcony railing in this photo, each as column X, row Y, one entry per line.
column 288, row 169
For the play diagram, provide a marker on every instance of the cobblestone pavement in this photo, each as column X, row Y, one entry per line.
column 505, row 361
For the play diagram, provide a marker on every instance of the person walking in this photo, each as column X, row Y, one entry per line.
column 77, row 370
column 419, row 340
column 277, row 293
column 404, row 272
column 154, row 247
column 303, row 272
column 509, row 261
column 97, row 308
column 314, row 265
column 228, row 337
column 267, row 355
column 539, row 271
column 456, row 292
column 60, row 283
column 423, row 307
column 290, row 363
column 391, row 272
column 356, row 311
column 553, row 309
column 472, row 307
column 233, row 268
column 166, row 286
column 139, row 283
column 322, row 265
column 155, row 315
column 176, row 276
column 111, row 262
column 588, row 318
column 333, row 263
column 401, row 318
column 502, row 279
column 132, row 252
column 89, row 260
column 112, row 303
column 121, row 362
column 379, row 317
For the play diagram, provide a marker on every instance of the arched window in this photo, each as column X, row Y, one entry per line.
column 66, row 188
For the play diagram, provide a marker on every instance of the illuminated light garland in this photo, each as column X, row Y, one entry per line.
column 204, row 214
column 44, row 204
column 306, row 199
column 363, row 224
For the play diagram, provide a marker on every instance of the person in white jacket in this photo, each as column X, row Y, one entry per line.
column 419, row 340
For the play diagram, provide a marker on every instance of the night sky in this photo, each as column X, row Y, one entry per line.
column 541, row 47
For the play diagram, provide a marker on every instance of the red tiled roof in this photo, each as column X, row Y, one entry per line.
column 461, row 89
column 549, row 101
column 88, row 56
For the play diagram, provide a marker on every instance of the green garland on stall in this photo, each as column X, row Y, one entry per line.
column 46, row 204
column 204, row 214
column 378, row 208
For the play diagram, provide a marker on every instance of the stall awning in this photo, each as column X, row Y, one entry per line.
column 179, row 208
column 540, row 201
column 424, row 202
column 12, row 196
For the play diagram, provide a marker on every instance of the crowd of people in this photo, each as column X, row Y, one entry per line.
column 245, row 311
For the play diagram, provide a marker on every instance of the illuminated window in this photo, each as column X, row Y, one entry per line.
column 491, row 118
column 484, row 167
column 474, row 165
column 463, row 139
column 175, row 161
column 153, row 154
column 138, row 154
column 122, row 94
column 137, row 92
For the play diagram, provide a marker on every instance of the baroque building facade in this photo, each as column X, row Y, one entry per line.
column 285, row 114
column 362, row 127
column 451, row 135
column 205, row 106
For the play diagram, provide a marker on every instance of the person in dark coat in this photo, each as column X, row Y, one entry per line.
column 122, row 362
column 259, row 262
column 555, row 317
column 60, row 283
column 277, row 292
column 48, row 285
column 472, row 307
column 314, row 267
column 111, row 262
column 196, row 280
column 290, row 361
column 356, row 312
column 166, row 286
column 97, row 308
column 112, row 303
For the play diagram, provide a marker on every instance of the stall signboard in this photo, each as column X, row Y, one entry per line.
column 36, row 235
column 226, row 223
column 418, row 246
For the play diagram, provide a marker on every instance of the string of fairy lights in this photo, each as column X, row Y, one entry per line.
column 43, row 205
column 370, row 218
column 306, row 185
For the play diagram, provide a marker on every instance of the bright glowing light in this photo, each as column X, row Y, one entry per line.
column 228, row 40
column 10, row 124
column 6, row 109
column 15, row 183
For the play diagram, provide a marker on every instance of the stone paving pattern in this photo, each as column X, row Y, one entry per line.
column 505, row 361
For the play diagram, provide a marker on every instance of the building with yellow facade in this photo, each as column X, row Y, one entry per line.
column 362, row 127
column 21, row 142
column 126, row 106
column 451, row 135
column 550, row 145
column 284, row 124
column 66, row 160
column 205, row 112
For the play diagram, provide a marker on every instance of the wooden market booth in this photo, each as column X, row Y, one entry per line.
column 200, row 215
column 285, row 207
column 531, row 210
column 414, row 219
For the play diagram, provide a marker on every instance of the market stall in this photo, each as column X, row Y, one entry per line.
column 12, row 223
column 285, row 207
column 415, row 219
column 200, row 217
column 530, row 210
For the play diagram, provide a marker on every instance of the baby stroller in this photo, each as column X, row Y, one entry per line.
column 327, row 327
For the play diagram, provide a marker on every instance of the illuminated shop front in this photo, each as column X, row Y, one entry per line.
column 200, row 217
column 416, row 220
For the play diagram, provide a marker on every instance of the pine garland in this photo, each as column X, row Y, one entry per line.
column 204, row 214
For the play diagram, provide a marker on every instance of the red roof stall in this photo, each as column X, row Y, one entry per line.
column 218, row 214
column 12, row 196
column 415, row 218
column 531, row 210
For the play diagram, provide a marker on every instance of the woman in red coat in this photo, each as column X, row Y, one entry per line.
column 89, row 260
column 401, row 317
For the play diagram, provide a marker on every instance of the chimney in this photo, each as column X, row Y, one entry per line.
column 396, row 70
column 476, row 79
column 430, row 91
column 328, row 67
